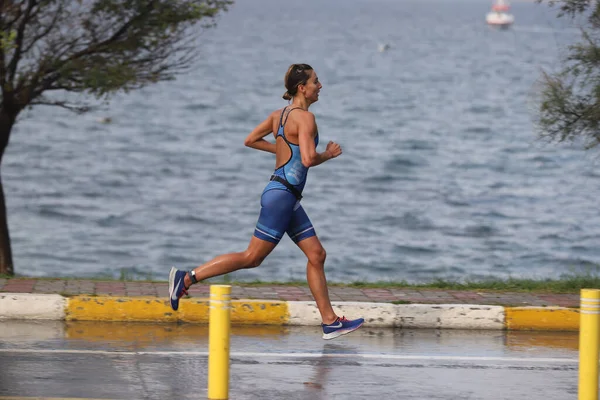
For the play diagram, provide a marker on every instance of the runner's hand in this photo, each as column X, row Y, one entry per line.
column 334, row 149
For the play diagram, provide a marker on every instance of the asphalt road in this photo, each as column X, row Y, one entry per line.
column 144, row 361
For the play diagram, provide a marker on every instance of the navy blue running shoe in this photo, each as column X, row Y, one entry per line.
column 176, row 287
column 340, row 327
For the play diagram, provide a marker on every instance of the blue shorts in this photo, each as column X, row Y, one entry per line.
column 281, row 213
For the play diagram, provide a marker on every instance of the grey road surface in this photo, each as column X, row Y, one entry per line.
column 145, row 361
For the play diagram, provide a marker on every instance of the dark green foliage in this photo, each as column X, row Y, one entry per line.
column 97, row 47
column 569, row 106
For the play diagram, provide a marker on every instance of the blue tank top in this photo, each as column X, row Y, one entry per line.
column 293, row 170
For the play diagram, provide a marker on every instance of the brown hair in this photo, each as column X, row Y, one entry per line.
column 297, row 74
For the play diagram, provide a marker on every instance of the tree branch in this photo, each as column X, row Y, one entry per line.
column 44, row 33
column 2, row 54
column 8, row 24
column 63, row 104
column 51, row 73
column 12, row 65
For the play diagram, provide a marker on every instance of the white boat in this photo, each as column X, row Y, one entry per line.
column 499, row 15
column 383, row 47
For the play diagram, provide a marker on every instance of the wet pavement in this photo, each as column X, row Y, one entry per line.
column 102, row 360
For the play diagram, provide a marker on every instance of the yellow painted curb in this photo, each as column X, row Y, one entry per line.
column 542, row 318
column 111, row 308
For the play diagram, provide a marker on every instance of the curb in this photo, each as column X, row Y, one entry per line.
column 266, row 312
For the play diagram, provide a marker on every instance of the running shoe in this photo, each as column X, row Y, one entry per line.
column 340, row 327
column 176, row 287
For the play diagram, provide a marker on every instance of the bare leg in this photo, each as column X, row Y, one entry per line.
column 256, row 252
column 315, row 275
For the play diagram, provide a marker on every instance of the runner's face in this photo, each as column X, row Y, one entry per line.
column 313, row 87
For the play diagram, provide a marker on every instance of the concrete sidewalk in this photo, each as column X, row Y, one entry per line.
column 78, row 299
column 69, row 287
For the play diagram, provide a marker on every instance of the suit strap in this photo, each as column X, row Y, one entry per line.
column 288, row 185
column 281, row 118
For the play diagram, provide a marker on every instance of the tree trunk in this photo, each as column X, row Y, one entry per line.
column 6, row 262
column 7, row 121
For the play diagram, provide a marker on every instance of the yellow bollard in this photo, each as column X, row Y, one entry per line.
column 589, row 338
column 218, row 341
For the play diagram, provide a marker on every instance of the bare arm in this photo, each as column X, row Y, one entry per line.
column 255, row 138
column 307, row 130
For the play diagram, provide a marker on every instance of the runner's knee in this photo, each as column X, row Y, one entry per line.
column 317, row 257
column 252, row 259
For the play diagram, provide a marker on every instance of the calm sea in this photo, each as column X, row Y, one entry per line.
column 442, row 175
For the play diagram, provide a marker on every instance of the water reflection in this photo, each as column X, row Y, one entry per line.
column 323, row 366
column 520, row 340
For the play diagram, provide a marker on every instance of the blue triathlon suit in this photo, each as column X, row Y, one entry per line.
column 281, row 211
